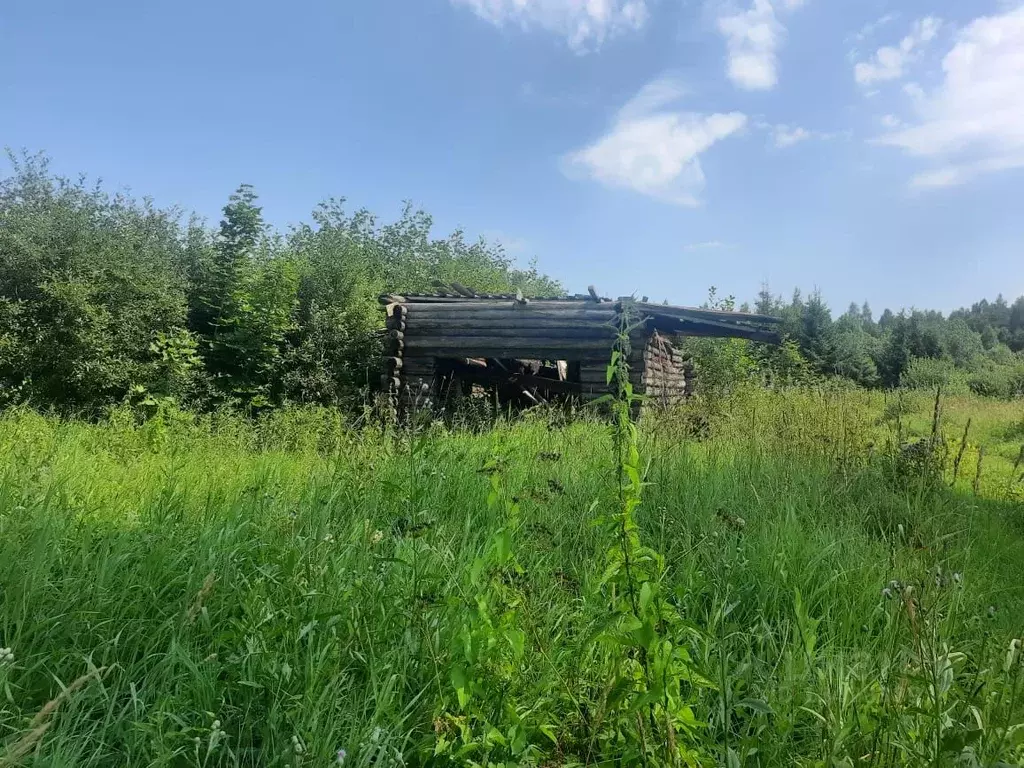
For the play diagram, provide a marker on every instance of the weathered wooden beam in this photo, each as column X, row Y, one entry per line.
column 636, row 381
column 513, row 353
column 531, row 330
column 446, row 297
column 655, row 367
column 724, row 331
column 463, row 291
column 477, row 305
column 507, row 319
column 513, row 304
column 667, row 385
column 510, row 346
column 663, row 376
column 691, row 313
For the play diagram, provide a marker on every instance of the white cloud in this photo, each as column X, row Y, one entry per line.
column 889, row 62
column 705, row 246
column 511, row 244
column 585, row 24
column 752, row 38
column 953, row 175
column 973, row 122
column 783, row 136
column 653, row 148
column 869, row 29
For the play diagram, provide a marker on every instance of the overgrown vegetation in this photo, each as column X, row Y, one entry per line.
column 799, row 586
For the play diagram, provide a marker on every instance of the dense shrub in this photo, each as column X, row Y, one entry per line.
column 925, row 373
column 1003, row 381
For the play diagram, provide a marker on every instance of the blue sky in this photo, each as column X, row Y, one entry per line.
column 871, row 148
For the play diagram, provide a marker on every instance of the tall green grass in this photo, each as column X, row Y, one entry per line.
column 267, row 595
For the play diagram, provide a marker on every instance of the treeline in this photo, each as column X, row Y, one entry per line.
column 978, row 349
column 106, row 299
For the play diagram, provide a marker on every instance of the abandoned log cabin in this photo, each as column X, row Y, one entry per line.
column 530, row 351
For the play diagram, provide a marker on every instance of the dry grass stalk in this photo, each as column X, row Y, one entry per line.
column 977, row 472
column 201, row 595
column 960, row 453
column 43, row 720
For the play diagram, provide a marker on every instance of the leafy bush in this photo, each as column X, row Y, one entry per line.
column 88, row 282
column 1004, row 381
column 925, row 373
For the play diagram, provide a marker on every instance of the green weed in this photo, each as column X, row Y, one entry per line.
column 285, row 591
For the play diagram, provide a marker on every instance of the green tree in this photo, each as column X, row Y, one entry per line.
column 815, row 333
column 854, row 350
column 961, row 344
column 243, row 299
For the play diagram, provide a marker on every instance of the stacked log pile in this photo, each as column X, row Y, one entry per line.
column 667, row 372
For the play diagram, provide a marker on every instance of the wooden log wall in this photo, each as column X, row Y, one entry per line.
column 555, row 330
column 408, row 379
column 422, row 333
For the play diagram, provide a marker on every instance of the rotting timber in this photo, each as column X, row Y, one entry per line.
column 531, row 351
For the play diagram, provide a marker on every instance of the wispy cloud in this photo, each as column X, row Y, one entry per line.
column 889, row 62
column 512, row 245
column 869, row 29
column 653, row 147
column 706, row 246
column 585, row 24
column 972, row 123
column 783, row 136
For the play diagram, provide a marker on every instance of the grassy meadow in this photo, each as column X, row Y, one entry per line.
column 783, row 586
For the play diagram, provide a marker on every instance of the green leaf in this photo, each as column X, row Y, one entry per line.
column 517, row 639
column 460, row 677
column 494, row 736
column 549, row 730
column 646, row 595
column 503, row 545
column 646, row 634
column 612, row 365
column 755, row 705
